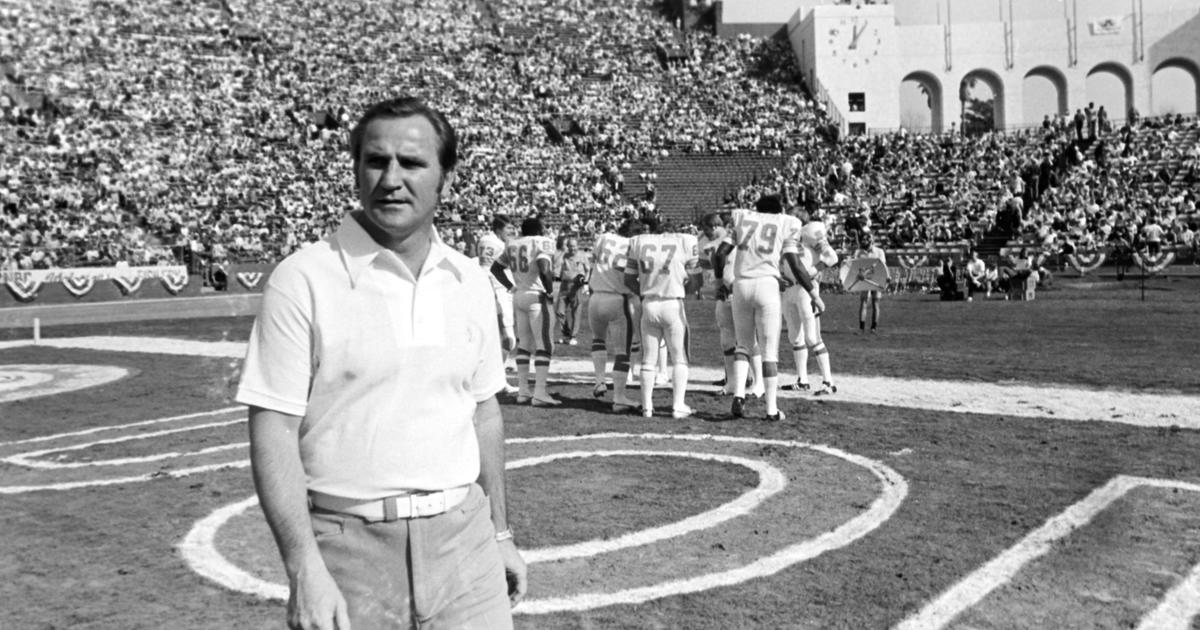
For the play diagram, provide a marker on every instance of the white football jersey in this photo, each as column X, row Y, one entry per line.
column 663, row 262
column 521, row 256
column 609, row 255
column 761, row 240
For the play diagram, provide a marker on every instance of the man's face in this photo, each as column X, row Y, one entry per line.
column 712, row 227
column 572, row 245
column 399, row 177
column 508, row 232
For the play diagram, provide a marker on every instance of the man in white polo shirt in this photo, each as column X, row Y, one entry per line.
column 376, row 440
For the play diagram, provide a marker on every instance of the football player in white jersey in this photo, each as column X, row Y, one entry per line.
column 614, row 309
column 713, row 231
column 764, row 238
column 488, row 250
column 528, row 257
column 804, row 327
column 663, row 269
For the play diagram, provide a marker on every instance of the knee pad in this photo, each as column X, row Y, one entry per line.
column 818, row 348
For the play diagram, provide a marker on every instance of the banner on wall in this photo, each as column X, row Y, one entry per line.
column 94, row 284
column 1106, row 26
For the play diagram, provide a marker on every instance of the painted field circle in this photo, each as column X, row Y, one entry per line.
column 22, row 381
column 650, row 563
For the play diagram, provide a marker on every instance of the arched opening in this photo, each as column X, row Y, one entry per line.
column 921, row 103
column 1110, row 85
column 1175, row 88
column 1044, row 94
column 981, row 98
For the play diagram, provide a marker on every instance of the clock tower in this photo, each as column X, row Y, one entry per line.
column 848, row 53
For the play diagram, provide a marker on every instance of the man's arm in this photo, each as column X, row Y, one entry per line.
column 806, row 281
column 314, row 599
column 489, row 430
column 498, row 273
column 719, row 259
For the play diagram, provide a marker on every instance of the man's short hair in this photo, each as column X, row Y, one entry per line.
column 404, row 107
column 500, row 221
column 532, row 227
column 768, row 204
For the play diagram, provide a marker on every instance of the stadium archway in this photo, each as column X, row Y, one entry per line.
column 1110, row 85
column 1175, row 87
column 981, row 97
column 1044, row 92
column 921, row 103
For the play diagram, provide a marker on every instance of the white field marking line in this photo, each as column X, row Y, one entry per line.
column 117, row 427
column 771, row 481
column 201, row 555
column 1000, row 570
column 147, row 345
column 20, row 379
column 199, row 551
column 29, row 459
column 173, row 474
column 1009, row 399
column 35, row 380
column 1179, row 607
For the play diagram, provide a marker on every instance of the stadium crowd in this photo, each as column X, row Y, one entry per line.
column 143, row 134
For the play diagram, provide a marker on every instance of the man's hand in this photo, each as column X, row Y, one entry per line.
column 722, row 292
column 315, row 603
column 514, row 570
column 818, row 305
column 784, row 284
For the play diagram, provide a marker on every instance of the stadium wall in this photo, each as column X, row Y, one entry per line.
column 95, row 284
column 863, row 53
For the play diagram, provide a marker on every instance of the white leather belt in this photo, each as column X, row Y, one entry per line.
column 415, row 505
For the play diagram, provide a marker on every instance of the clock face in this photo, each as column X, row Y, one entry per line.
column 855, row 41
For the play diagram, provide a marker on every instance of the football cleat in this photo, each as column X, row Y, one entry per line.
column 798, row 386
column 826, row 389
column 738, row 408
column 523, row 399
column 647, row 413
column 775, row 417
column 625, row 406
column 544, row 402
column 599, row 390
column 719, row 382
column 679, row 413
column 511, row 390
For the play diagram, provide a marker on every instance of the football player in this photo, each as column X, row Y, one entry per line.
column 764, row 237
column 663, row 269
column 491, row 245
column 614, row 309
column 804, row 327
column 528, row 257
column 713, row 231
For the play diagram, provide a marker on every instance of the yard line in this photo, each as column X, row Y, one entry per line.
column 115, row 427
column 1000, row 570
column 1178, row 608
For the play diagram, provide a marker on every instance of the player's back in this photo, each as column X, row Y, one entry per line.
column 521, row 256
column 609, row 255
column 664, row 262
column 761, row 240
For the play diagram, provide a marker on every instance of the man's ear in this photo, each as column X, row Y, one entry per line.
column 446, row 183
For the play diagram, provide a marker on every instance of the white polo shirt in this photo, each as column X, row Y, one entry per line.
column 385, row 369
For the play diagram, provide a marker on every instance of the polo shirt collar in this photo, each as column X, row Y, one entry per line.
column 358, row 251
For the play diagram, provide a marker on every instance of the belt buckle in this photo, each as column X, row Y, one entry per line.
column 428, row 504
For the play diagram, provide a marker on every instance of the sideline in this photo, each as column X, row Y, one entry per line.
column 1002, row 399
column 224, row 305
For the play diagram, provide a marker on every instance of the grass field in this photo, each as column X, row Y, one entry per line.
column 846, row 515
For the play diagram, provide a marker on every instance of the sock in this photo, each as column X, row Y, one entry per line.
column 599, row 358
column 728, row 369
column 771, row 383
column 679, row 376
column 741, row 367
column 756, row 364
column 541, row 374
column 522, row 373
column 620, row 377
column 647, row 387
column 801, row 355
column 823, row 362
